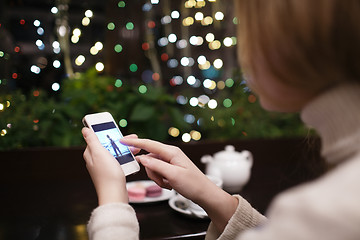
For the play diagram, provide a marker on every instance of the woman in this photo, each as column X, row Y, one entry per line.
column 298, row 56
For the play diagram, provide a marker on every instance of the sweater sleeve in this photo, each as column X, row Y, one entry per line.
column 113, row 221
column 245, row 217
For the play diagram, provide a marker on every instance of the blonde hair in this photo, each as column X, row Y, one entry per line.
column 307, row 44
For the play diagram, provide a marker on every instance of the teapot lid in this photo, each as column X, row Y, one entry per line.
column 228, row 153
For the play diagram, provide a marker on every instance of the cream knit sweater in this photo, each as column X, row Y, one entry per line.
column 327, row 208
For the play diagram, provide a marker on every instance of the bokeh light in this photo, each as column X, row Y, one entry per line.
column 195, row 135
column 35, row 69
column 172, row 63
column 191, row 80
column 37, row 23
column 193, row 101
column 188, row 21
column 252, row 98
column 99, row 67
column 93, row 50
column 118, row 48
column 174, row 132
column 75, row 39
column 203, row 100
column 85, row 21
column 218, row 63
column 40, row 31
column 199, row 16
column 207, row 21
column 3, row 132
column 210, row 37
column 111, row 26
column 55, row 87
column 172, row 37
column 227, row 102
column 214, row 45
column 212, row 104
column 219, row 16
column 123, row 123
column 99, row 46
column 221, row 85
column 56, row 64
column 175, row 14
column 80, row 60
column 181, row 44
column 118, row 83
column 142, row 89
column 54, row 10
column 229, row 82
column 189, row 118
column 181, row 99
column 166, row 19
column 186, row 137
column 129, row 26
column 228, row 42
column 89, row 13
column 121, row 4
column 133, row 67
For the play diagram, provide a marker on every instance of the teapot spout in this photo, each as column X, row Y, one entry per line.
column 207, row 159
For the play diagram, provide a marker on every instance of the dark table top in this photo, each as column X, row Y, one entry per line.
column 159, row 221
column 60, row 210
column 47, row 193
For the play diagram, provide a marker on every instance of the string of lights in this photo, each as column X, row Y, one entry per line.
column 190, row 46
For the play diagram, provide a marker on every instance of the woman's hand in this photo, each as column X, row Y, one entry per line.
column 106, row 173
column 169, row 167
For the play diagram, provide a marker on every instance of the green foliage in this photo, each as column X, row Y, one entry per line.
column 42, row 121
column 148, row 115
column 35, row 121
column 31, row 121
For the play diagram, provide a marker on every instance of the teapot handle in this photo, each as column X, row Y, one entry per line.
column 248, row 156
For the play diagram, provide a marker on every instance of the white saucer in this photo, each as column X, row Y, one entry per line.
column 174, row 202
column 165, row 195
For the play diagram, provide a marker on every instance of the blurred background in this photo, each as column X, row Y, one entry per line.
column 165, row 69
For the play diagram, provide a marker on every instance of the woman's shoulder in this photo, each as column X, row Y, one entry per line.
column 329, row 196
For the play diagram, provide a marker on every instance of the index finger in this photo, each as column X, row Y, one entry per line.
column 164, row 151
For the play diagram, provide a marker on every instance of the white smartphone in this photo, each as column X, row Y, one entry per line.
column 108, row 133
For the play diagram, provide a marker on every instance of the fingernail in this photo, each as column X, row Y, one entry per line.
column 144, row 161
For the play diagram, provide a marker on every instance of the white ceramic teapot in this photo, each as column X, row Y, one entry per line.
column 231, row 166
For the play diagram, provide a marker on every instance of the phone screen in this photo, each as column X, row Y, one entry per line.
column 109, row 137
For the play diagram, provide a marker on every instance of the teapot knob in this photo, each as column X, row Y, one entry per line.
column 229, row 148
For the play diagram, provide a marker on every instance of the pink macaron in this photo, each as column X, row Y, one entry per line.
column 153, row 191
column 136, row 193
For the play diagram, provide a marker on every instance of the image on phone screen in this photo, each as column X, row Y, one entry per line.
column 109, row 137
